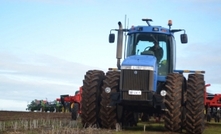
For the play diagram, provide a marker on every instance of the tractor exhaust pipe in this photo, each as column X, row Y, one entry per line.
column 119, row 44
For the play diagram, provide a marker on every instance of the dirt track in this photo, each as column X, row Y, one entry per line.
column 14, row 115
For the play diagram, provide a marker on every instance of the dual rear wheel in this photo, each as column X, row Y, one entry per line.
column 185, row 106
column 90, row 103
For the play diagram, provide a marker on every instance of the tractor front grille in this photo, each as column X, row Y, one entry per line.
column 136, row 80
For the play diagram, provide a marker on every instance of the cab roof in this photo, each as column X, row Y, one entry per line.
column 150, row 29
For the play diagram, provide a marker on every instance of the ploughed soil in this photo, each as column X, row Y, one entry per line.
column 16, row 115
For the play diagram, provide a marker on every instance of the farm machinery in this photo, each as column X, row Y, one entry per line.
column 71, row 103
column 44, row 106
column 146, row 81
column 36, row 105
column 212, row 104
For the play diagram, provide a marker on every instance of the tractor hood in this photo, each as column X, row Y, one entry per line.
column 140, row 60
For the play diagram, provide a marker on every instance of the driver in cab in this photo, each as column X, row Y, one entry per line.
column 158, row 51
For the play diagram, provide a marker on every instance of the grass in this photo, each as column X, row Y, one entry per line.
column 158, row 128
column 213, row 128
column 37, row 126
column 146, row 128
column 48, row 126
column 66, row 126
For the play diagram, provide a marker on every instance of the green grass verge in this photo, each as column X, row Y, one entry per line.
column 158, row 128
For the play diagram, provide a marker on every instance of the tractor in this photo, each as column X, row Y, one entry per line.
column 146, row 81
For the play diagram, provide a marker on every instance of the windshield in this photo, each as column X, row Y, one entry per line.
column 149, row 44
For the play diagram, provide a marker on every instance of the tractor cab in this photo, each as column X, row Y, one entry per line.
column 150, row 47
column 155, row 45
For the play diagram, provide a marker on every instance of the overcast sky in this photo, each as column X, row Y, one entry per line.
column 46, row 46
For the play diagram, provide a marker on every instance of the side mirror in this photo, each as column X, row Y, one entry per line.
column 111, row 38
column 183, row 38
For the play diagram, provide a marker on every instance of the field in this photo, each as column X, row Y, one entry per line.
column 14, row 115
column 60, row 123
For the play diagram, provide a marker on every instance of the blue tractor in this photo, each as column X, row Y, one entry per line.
column 146, row 81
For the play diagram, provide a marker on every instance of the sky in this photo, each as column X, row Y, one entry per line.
column 47, row 46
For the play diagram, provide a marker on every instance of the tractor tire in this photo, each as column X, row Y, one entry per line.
column 173, row 100
column 90, row 103
column 108, row 114
column 195, row 104
column 74, row 111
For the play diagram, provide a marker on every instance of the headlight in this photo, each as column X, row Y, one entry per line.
column 107, row 89
column 163, row 93
column 137, row 67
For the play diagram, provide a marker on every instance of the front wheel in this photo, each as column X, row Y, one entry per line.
column 108, row 114
column 173, row 101
column 90, row 103
column 195, row 104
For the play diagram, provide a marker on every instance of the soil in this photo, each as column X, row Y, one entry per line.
column 15, row 115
